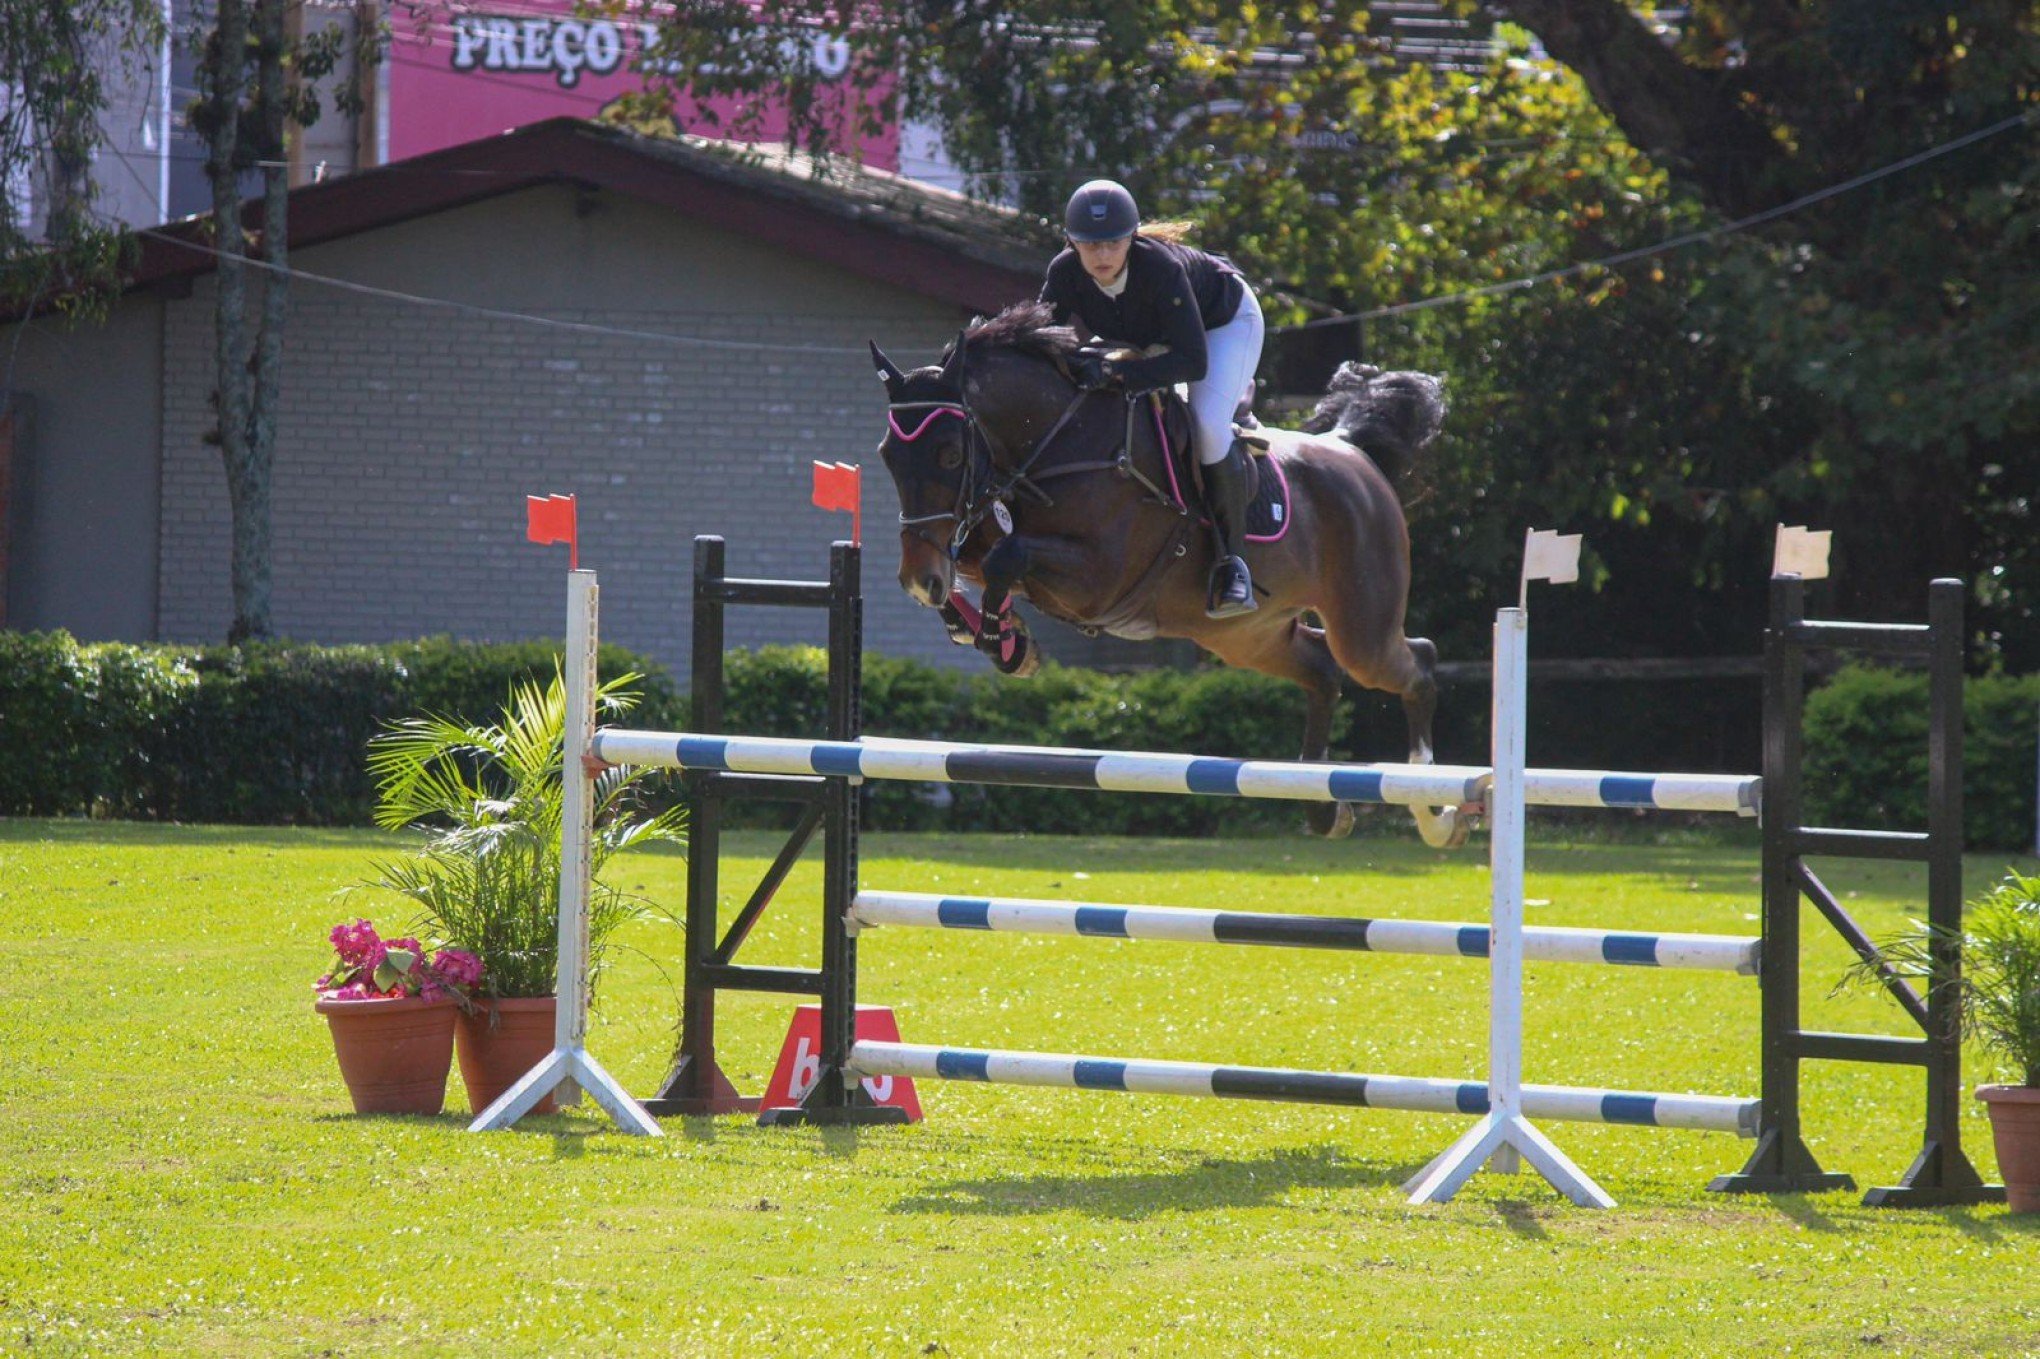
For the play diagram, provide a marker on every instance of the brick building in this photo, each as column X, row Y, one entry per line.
column 411, row 432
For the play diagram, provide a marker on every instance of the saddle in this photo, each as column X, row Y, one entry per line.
column 1267, row 487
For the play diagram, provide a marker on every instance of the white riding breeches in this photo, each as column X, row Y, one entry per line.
column 1233, row 352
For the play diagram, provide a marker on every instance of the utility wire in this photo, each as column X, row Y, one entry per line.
column 2031, row 117
column 501, row 314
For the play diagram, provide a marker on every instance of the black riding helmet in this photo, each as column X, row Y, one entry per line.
column 1101, row 210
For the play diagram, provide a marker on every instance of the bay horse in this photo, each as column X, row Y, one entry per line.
column 1013, row 476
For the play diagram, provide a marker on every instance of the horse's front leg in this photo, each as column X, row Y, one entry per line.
column 1002, row 635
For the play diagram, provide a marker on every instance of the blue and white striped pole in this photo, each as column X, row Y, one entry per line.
column 880, row 757
column 1701, row 1113
column 1132, row 771
column 1438, row 938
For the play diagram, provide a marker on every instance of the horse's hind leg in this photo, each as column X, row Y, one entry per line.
column 1382, row 658
column 1298, row 654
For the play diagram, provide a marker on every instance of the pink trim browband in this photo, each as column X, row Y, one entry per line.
column 922, row 428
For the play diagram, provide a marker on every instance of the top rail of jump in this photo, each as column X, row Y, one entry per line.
column 877, row 757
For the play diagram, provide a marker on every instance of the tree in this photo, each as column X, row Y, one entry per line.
column 255, row 83
column 1899, row 316
column 54, row 59
column 1823, row 365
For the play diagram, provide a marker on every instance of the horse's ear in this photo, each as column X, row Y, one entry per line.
column 888, row 371
column 952, row 363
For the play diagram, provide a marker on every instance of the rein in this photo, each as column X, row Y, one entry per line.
column 983, row 484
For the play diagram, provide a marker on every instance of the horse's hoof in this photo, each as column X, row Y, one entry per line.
column 1446, row 828
column 1026, row 659
column 1332, row 820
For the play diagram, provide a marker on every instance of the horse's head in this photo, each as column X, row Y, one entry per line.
column 927, row 449
column 951, row 427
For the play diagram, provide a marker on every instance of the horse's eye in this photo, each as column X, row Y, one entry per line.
column 952, row 457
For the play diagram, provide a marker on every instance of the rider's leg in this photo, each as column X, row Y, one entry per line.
column 1234, row 352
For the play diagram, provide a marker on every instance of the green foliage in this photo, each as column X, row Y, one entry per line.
column 1999, row 984
column 491, row 803
column 1866, row 754
column 55, row 57
column 264, row 733
column 1867, row 363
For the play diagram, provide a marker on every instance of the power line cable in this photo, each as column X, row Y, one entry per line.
column 502, row 314
column 2030, row 117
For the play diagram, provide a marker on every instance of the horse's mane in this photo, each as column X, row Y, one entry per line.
column 1026, row 326
column 1389, row 415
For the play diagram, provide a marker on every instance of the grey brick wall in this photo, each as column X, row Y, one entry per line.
column 411, row 436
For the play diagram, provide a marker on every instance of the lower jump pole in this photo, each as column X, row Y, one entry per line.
column 1698, row 1113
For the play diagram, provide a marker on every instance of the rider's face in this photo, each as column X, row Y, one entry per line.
column 1103, row 260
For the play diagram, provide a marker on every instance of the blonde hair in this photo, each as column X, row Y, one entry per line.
column 1175, row 231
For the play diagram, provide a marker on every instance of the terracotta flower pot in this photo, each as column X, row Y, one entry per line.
column 2015, row 1128
column 394, row 1054
column 500, row 1040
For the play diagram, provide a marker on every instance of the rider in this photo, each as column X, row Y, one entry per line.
column 1143, row 288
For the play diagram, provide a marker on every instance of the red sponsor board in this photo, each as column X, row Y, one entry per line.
column 460, row 72
column 800, row 1061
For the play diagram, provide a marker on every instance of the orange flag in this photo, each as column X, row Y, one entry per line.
column 840, row 486
column 551, row 519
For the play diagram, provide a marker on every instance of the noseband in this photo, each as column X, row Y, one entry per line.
column 973, row 439
column 979, row 489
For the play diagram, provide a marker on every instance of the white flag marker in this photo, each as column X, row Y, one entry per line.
column 1549, row 555
column 1801, row 552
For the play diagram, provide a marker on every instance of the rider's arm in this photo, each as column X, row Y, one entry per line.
column 1181, row 329
column 1055, row 287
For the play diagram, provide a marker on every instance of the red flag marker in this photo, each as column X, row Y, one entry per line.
column 840, row 486
column 551, row 519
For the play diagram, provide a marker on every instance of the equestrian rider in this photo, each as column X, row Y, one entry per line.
column 1146, row 288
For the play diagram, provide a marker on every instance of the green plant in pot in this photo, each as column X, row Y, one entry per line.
column 1999, row 989
column 490, row 801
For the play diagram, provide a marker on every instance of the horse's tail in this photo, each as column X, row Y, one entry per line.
column 1388, row 415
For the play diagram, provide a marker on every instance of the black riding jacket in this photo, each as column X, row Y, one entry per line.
column 1174, row 294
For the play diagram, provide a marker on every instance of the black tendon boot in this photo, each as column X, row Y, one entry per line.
column 1225, row 482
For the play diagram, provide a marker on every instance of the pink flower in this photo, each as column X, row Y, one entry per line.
column 354, row 943
column 457, row 967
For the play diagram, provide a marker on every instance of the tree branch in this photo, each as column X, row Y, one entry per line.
column 1686, row 117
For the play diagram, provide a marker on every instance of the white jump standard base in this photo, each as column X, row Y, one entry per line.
column 566, row 1065
column 1504, row 1134
column 568, row 1068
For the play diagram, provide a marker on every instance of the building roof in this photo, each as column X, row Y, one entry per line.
column 916, row 236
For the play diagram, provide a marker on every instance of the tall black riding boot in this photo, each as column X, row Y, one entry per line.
column 1225, row 484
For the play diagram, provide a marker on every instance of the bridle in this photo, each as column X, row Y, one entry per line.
column 982, row 485
column 973, row 439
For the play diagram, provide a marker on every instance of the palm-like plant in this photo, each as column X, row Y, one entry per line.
column 490, row 802
column 2000, row 984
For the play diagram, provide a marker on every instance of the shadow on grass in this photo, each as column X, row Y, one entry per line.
column 1800, row 1208
column 1193, row 1187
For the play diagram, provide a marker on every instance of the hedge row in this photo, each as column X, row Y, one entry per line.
column 277, row 733
column 1866, row 754
column 273, row 733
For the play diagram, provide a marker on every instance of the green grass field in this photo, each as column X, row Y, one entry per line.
column 184, row 1175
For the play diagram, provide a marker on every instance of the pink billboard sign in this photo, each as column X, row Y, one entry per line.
column 459, row 72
